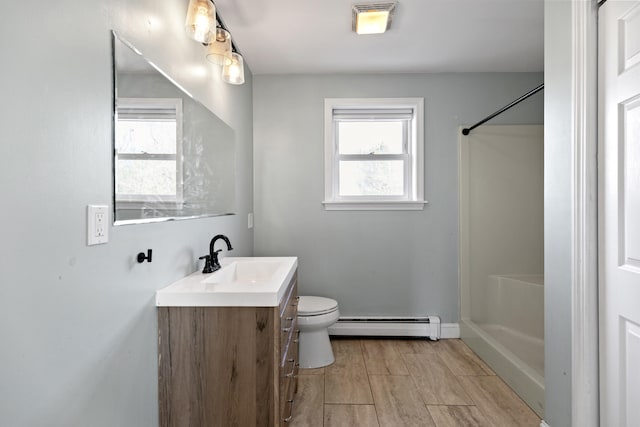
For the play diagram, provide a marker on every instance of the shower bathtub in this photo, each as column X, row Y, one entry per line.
column 509, row 336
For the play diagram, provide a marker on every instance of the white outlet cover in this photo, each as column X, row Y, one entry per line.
column 97, row 224
column 250, row 220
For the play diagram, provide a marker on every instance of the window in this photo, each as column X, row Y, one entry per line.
column 148, row 151
column 374, row 154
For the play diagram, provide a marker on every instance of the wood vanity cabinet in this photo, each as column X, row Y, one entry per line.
column 228, row 366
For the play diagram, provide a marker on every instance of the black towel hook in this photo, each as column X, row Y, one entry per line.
column 141, row 256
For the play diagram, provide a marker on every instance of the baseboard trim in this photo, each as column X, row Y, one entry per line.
column 449, row 330
column 544, row 424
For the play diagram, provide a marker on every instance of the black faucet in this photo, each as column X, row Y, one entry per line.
column 211, row 261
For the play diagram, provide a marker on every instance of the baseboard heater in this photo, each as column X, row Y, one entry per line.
column 427, row 327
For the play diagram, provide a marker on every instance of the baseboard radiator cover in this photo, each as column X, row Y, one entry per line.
column 425, row 327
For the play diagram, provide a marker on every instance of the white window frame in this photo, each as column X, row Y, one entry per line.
column 159, row 201
column 413, row 198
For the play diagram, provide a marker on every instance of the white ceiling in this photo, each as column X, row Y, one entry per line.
column 314, row 36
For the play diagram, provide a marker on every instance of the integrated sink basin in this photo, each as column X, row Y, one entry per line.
column 251, row 281
column 252, row 271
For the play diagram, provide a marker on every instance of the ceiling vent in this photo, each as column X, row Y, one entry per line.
column 372, row 18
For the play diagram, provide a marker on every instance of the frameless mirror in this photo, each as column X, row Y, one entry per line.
column 173, row 158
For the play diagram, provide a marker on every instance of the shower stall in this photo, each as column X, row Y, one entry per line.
column 501, row 253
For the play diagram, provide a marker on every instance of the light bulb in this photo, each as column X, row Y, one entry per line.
column 201, row 25
column 234, row 72
column 200, row 20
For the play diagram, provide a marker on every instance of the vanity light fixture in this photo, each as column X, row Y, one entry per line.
column 372, row 18
column 219, row 48
column 201, row 20
column 203, row 25
column 233, row 73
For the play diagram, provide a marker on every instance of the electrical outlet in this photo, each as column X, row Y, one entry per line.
column 250, row 221
column 97, row 224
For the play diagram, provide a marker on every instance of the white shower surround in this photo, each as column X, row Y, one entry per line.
column 501, row 254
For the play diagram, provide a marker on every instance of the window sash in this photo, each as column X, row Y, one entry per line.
column 406, row 132
column 353, row 115
column 406, row 178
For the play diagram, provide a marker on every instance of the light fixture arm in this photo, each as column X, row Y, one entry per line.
column 220, row 24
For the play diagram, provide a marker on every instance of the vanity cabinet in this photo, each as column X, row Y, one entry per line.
column 228, row 366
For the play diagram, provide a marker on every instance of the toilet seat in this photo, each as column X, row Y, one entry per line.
column 316, row 306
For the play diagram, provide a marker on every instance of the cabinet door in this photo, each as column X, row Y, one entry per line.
column 218, row 366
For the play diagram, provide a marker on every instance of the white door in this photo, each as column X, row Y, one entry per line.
column 619, row 212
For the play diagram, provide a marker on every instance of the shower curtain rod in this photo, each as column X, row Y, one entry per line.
column 466, row 131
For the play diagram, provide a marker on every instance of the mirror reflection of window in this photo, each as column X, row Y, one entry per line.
column 148, row 149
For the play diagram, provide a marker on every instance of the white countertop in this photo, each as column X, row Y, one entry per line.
column 251, row 282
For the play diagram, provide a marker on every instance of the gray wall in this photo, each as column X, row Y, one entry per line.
column 78, row 323
column 557, row 211
column 372, row 263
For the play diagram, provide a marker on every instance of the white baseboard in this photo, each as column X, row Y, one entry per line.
column 449, row 330
column 544, row 424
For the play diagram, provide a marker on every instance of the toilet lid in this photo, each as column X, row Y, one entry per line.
column 310, row 306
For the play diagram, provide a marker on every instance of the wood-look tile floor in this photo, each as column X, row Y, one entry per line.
column 398, row 382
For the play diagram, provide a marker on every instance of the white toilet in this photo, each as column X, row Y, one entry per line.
column 315, row 315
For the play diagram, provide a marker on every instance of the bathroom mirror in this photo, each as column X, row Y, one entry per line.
column 173, row 158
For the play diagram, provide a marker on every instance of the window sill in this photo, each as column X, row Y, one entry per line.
column 151, row 203
column 413, row 205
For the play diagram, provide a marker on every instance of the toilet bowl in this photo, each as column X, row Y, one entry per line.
column 315, row 315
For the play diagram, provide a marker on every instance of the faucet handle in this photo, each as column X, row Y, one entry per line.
column 207, row 264
column 215, row 264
